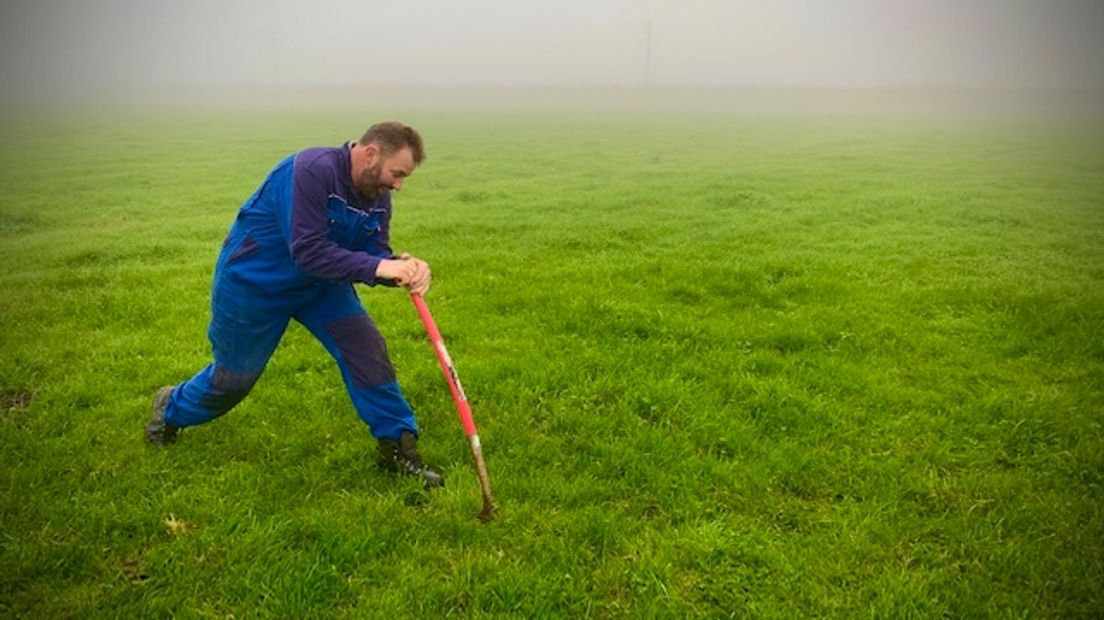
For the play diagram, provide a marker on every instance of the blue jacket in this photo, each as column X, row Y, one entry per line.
column 306, row 226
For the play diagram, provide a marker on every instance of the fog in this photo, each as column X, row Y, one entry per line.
column 118, row 49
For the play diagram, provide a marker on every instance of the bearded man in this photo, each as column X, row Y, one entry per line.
column 317, row 224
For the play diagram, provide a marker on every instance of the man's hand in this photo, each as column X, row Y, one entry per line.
column 398, row 270
column 418, row 282
column 407, row 271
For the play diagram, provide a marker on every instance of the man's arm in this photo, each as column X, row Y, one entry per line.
column 314, row 253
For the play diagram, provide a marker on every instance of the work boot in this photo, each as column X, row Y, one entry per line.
column 158, row 431
column 402, row 457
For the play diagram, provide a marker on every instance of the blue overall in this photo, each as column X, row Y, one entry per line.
column 258, row 288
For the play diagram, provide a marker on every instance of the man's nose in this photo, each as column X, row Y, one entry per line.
column 397, row 184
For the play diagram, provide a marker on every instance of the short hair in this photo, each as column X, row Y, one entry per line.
column 392, row 136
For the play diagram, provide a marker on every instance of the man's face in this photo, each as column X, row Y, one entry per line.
column 380, row 173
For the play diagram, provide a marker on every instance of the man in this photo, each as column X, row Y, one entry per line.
column 318, row 223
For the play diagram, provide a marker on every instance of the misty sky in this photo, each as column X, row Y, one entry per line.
column 101, row 44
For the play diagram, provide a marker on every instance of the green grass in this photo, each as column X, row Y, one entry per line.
column 722, row 365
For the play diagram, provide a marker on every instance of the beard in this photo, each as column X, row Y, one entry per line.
column 368, row 184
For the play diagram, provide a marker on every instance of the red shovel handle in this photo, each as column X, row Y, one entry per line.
column 447, row 367
column 461, row 401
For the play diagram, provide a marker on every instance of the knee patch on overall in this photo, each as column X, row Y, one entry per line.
column 363, row 350
column 227, row 389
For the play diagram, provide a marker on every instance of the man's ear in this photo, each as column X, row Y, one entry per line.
column 371, row 154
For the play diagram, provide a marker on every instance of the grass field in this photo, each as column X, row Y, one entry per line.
column 780, row 366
